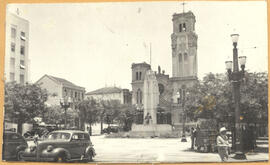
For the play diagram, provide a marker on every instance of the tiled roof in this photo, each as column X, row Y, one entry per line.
column 105, row 90
column 65, row 82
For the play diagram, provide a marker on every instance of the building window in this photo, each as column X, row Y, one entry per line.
column 12, row 76
column 180, row 57
column 140, row 77
column 137, row 76
column 22, row 79
column 13, row 32
column 22, row 62
column 139, row 96
column 13, row 47
column 12, row 62
column 180, row 27
column 23, row 36
column 184, row 27
column 185, row 57
column 22, row 50
column 65, row 92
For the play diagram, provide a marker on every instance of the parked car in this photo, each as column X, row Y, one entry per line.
column 13, row 143
column 109, row 129
column 61, row 146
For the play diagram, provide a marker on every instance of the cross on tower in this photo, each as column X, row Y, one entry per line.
column 183, row 6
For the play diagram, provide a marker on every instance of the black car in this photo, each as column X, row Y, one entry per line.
column 111, row 129
column 13, row 143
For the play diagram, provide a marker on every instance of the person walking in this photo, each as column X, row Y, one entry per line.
column 193, row 136
column 223, row 144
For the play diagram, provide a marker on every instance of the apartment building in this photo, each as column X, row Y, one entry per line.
column 16, row 52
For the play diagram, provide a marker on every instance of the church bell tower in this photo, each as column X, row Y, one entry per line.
column 184, row 46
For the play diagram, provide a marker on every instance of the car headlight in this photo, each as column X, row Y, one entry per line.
column 49, row 148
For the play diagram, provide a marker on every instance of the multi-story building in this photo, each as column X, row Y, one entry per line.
column 16, row 53
column 58, row 88
column 110, row 93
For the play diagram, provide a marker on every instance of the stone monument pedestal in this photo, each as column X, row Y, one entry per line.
column 150, row 130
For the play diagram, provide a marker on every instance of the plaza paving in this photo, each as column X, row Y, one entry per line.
column 155, row 150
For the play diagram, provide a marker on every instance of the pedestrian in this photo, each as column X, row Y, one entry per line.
column 193, row 134
column 223, row 144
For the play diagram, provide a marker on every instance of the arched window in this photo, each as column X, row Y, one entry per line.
column 185, row 57
column 180, row 57
column 139, row 96
column 184, row 27
column 180, row 27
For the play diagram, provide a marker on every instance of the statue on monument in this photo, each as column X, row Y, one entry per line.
column 159, row 69
column 148, row 119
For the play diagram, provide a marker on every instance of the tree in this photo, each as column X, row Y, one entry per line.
column 88, row 113
column 254, row 98
column 24, row 102
column 53, row 115
column 111, row 110
column 126, row 116
column 212, row 98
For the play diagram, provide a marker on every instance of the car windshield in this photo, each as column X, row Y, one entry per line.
column 59, row 136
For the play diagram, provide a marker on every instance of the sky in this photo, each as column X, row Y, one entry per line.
column 94, row 44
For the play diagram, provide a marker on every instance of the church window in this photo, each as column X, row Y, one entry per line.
column 139, row 96
column 185, row 57
column 184, row 27
column 180, row 27
column 180, row 57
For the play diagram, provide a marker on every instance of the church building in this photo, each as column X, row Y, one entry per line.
column 184, row 73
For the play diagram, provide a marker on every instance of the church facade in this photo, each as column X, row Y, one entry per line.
column 184, row 73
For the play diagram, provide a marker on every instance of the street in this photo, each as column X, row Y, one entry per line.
column 157, row 150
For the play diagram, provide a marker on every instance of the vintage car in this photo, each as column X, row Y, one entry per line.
column 61, row 146
column 111, row 129
column 13, row 143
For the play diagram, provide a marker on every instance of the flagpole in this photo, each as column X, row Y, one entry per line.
column 150, row 54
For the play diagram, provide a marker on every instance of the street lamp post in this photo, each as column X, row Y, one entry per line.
column 65, row 103
column 182, row 97
column 235, row 78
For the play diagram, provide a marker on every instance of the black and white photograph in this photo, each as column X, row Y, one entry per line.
column 136, row 82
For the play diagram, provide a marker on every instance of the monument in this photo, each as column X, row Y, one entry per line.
column 150, row 105
column 150, row 98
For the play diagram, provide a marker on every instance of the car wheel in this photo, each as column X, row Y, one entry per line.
column 89, row 157
column 19, row 156
column 61, row 158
